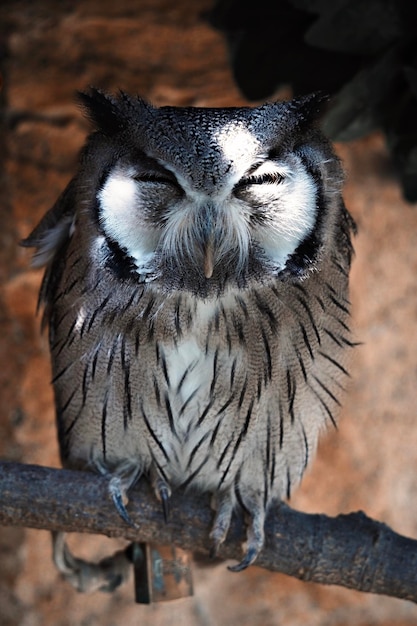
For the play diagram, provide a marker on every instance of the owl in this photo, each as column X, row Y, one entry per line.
column 196, row 293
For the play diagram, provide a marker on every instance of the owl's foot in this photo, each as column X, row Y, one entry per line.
column 255, row 521
column 120, row 482
column 106, row 575
column 223, row 505
column 162, row 491
column 254, row 513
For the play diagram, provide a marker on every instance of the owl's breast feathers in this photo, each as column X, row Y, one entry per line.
column 205, row 390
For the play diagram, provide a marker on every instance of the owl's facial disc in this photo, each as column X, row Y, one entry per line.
column 263, row 213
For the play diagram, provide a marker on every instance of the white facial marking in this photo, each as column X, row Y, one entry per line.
column 120, row 201
column 238, row 146
column 293, row 201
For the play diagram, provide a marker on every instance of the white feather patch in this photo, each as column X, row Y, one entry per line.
column 120, row 201
column 293, row 202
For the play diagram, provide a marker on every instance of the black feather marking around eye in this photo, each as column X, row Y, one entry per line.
column 291, row 391
column 327, row 390
column 152, row 432
column 306, row 340
column 335, row 363
column 104, row 422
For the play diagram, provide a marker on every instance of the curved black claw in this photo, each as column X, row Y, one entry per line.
column 248, row 559
column 117, row 498
column 164, row 494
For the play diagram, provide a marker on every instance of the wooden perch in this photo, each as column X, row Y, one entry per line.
column 349, row 550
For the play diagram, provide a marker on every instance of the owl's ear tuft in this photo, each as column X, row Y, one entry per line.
column 309, row 108
column 104, row 110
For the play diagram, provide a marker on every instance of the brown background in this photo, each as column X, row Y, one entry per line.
column 166, row 52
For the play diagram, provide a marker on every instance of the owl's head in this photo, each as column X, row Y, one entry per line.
column 200, row 198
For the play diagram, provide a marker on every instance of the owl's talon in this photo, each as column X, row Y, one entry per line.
column 119, row 484
column 165, row 495
column 224, row 508
column 162, row 492
column 117, row 497
column 247, row 560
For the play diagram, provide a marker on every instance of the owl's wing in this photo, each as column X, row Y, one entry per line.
column 54, row 228
column 50, row 237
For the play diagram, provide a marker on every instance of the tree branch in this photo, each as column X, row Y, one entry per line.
column 349, row 550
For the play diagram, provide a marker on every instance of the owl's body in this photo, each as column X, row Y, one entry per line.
column 197, row 300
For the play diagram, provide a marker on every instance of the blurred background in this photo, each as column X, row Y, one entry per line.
column 205, row 54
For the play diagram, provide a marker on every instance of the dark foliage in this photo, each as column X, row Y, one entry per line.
column 362, row 52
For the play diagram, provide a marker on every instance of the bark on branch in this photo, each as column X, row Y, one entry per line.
column 349, row 550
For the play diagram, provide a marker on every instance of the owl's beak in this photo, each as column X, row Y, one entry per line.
column 208, row 258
